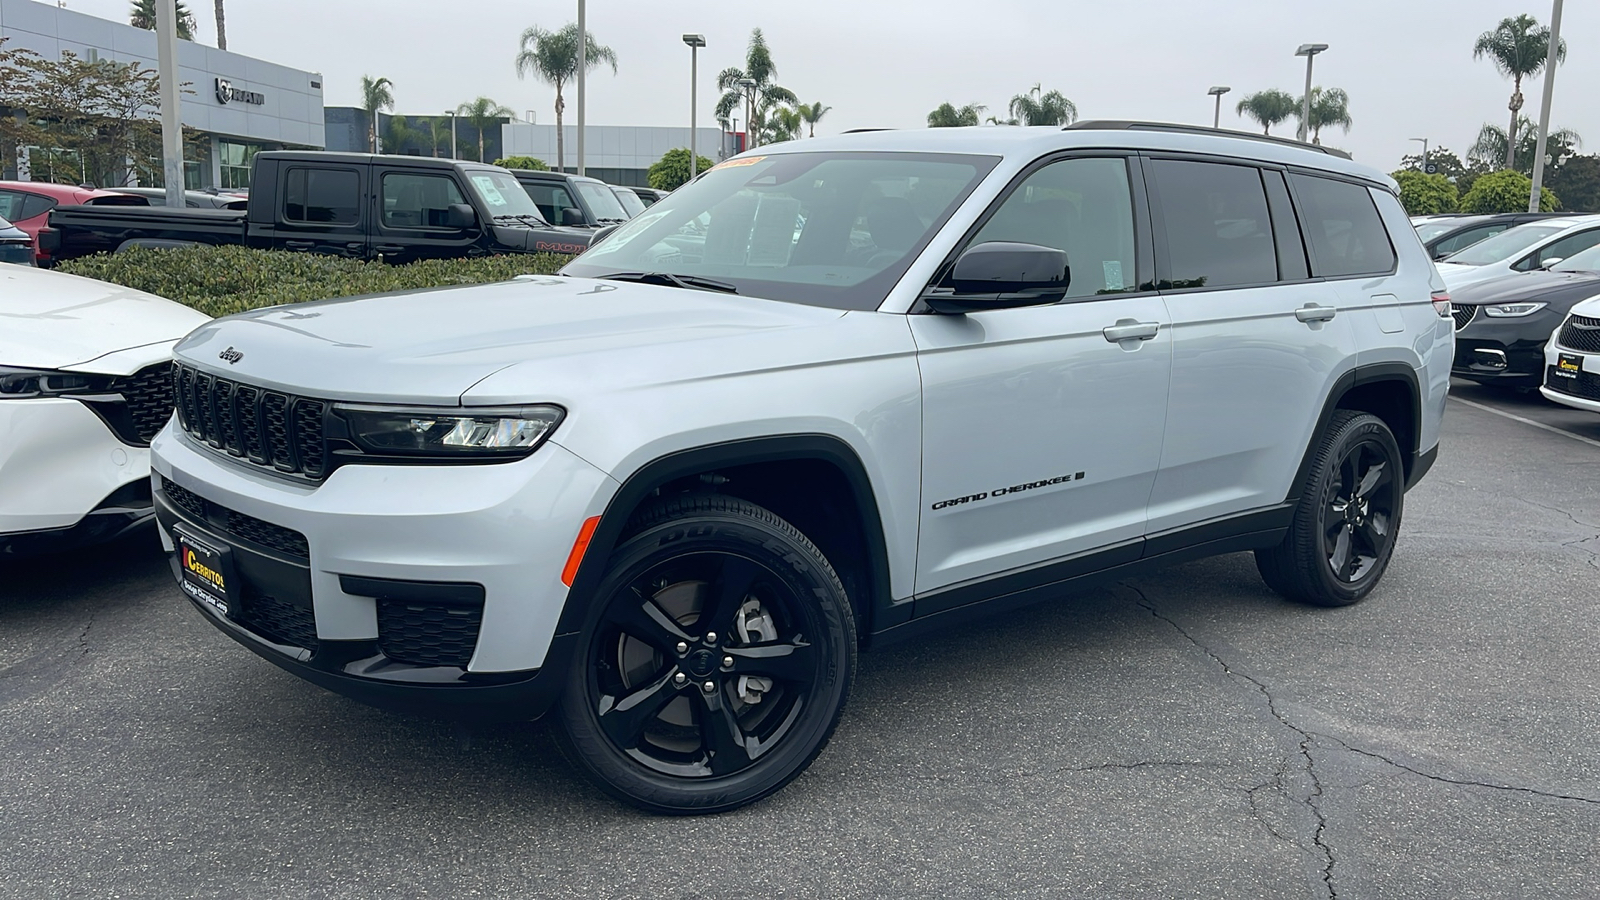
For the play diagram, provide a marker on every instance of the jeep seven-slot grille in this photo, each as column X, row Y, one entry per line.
column 1463, row 315
column 1580, row 333
column 236, row 524
column 269, row 428
column 148, row 395
column 426, row 634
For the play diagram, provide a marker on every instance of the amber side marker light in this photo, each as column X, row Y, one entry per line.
column 575, row 558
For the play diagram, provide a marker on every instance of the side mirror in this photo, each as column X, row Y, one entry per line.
column 570, row 216
column 460, row 215
column 1549, row 263
column 1001, row 275
column 601, row 234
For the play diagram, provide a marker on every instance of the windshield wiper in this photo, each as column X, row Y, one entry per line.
column 670, row 280
column 532, row 221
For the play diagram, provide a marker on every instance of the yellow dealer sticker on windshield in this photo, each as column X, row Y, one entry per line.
column 745, row 161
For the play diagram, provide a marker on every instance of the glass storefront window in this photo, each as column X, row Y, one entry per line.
column 235, row 163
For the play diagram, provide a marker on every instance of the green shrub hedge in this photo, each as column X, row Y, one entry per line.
column 222, row 280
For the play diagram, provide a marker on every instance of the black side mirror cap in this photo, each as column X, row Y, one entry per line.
column 570, row 216
column 1000, row 275
column 460, row 215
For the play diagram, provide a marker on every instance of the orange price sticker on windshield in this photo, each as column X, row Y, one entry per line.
column 743, row 161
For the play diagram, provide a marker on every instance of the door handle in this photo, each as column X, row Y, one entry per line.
column 1311, row 312
column 387, row 248
column 299, row 245
column 1130, row 330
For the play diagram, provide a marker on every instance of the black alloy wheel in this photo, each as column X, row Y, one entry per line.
column 1344, row 528
column 719, row 663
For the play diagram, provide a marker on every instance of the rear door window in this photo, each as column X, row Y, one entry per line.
column 11, row 205
column 1567, row 247
column 326, row 196
column 1342, row 225
column 1467, row 238
column 1214, row 225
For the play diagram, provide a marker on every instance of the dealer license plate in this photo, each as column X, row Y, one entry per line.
column 206, row 571
column 1568, row 365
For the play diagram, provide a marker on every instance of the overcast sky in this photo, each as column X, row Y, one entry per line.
column 1407, row 64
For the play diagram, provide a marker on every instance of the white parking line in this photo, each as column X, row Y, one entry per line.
column 1516, row 418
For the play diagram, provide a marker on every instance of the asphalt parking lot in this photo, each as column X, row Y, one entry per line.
column 1182, row 735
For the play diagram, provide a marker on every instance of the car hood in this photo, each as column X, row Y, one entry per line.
column 1550, row 287
column 51, row 320
column 1456, row 275
column 429, row 347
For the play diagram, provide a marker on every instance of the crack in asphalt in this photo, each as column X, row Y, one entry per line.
column 1459, row 781
column 1306, row 738
column 83, row 636
column 1594, row 558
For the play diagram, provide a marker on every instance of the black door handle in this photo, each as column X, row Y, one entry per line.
column 388, row 248
column 299, row 245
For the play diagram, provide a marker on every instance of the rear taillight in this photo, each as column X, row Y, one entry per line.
column 1441, row 304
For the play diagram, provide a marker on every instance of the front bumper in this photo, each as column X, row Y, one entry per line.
column 1507, row 351
column 58, row 464
column 329, row 555
column 1579, row 391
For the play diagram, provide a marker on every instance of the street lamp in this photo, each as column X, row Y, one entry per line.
column 749, row 85
column 1217, row 92
column 1309, row 51
column 452, row 133
column 1542, row 143
column 1424, row 153
column 695, row 42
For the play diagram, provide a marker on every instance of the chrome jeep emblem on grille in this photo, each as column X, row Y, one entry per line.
column 231, row 355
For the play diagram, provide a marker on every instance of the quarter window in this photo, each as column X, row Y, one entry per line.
column 418, row 201
column 1343, row 228
column 1215, row 224
column 330, row 196
column 1082, row 207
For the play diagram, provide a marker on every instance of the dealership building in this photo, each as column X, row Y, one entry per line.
column 237, row 103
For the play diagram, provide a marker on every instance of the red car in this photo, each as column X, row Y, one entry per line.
column 27, row 204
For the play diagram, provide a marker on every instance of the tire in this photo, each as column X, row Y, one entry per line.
column 707, row 580
column 1343, row 532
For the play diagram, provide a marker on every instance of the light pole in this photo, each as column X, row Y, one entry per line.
column 695, row 42
column 1542, row 144
column 1424, row 154
column 1217, row 92
column 171, row 125
column 749, row 85
column 452, row 133
column 1309, row 51
column 583, row 65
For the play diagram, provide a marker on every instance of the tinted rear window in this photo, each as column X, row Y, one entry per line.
column 1342, row 225
column 330, row 196
column 1215, row 223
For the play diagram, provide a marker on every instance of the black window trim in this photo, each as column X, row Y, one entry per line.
column 1311, row 251
column 1143, row 258
column 288, row 173
column 1164, row 265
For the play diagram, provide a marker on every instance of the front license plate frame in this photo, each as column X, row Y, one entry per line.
column 206, row 572
column 1563, row 361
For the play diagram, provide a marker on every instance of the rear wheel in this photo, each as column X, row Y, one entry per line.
column 1344, row 529
column 720, row 663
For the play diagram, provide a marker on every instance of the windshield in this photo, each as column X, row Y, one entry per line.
column 1503, row 246
column 503, row 194
column 1427, row 231
column 827, row 229
column 630, row 201
column 1585, row 261
column 601, row 201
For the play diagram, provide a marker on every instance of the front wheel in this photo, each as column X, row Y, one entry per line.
column 1344, row 529
column 720, row 663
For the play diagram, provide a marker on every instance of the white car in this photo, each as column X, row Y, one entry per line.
column 1572, row 359
column 85, row 383
column 1520, row 249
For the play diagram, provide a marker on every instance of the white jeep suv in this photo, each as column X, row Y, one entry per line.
column 834, row 393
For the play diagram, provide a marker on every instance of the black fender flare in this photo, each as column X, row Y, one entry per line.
column 578, row 613
column 1358, row 377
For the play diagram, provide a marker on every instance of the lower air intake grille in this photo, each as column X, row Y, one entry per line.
column 428, row 634
column 236, row 524
column 278, row 621
column 1584, row 384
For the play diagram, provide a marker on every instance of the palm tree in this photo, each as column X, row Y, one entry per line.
column 376, row 94
column 947, row 116
column 1329, row 106
column 552, row 57
column 1490, row 147
column 813, row 114
column 1518, row 47
column 437, row 129
column 1268, row 108
column 1034, row 108
column 143, row 15
column 481, row 113
column 758, row 68
column 996, row 120
column 222, row 27
column 399, row 133
column 779, row 124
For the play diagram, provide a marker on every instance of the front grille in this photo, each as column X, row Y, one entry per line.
column 1580, row 333
column 269, row 428
column 277, row 620
column 428, row 634
column 148, row 394
column 1464, row 315
column 236, row 524
column 1585, row 385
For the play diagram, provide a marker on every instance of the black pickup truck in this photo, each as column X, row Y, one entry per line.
column 397, row 208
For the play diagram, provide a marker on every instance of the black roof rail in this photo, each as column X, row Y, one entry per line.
column 861, row 130
column 1129, row 125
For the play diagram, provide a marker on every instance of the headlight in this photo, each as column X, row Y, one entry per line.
column 450, row 433
column 17, row 384
column 1512, row 310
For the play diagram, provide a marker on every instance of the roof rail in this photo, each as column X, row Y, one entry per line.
column 1128, row 125
column 861, row 130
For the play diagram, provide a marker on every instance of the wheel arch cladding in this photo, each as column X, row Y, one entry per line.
column 1388, row 391
column 815, row 482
